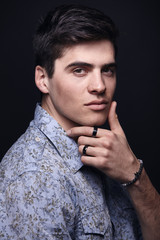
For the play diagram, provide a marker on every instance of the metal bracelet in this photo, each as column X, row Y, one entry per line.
column 137, row 175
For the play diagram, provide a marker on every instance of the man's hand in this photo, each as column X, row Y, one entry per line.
column 109, row 150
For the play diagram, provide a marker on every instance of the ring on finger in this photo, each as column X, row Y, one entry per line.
column 85, row 149
column 95, row 129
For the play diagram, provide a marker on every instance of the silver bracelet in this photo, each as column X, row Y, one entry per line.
column 137, row 175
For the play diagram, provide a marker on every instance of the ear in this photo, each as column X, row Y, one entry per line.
column 41, row 79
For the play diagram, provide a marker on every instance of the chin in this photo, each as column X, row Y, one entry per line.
column 95, row 122
column 91, row 120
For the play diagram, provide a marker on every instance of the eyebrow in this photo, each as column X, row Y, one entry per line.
column 84, row 64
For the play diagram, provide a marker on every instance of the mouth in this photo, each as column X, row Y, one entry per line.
column 97, row 105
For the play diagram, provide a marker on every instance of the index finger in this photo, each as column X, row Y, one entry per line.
column 84, row 131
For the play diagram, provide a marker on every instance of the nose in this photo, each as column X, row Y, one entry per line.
column 96, row 84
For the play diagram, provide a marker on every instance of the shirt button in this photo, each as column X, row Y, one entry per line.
column 37, row 139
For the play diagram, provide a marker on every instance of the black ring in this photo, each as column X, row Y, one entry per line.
column 85, row 149
column 94, row 131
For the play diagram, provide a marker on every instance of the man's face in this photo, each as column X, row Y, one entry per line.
column 81, row 89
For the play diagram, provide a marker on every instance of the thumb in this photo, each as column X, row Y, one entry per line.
column 113, row 120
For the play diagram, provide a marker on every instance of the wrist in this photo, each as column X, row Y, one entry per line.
column 137, row 175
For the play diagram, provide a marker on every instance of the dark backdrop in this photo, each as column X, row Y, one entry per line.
column 138, row 71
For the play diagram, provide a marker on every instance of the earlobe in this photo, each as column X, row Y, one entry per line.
column 41, row 79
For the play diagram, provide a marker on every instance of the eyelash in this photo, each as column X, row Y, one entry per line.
column 110, row 71
column 82, row 71
column 78, row 71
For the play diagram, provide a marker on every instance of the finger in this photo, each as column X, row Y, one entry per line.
column 93, row 161
column 89, row 151
column 113, row 120
column 84, row 131
column 93, row 151
column 87, row 131
column 80, row 131
column 95, row 142
column 83, row 140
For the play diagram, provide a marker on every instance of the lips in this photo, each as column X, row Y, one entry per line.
column 97, row 105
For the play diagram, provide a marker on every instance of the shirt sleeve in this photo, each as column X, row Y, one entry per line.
column 40, row 207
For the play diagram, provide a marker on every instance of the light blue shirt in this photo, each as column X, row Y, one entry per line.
column 47, row 193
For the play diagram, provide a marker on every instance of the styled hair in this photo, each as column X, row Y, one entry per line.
column 68, row 25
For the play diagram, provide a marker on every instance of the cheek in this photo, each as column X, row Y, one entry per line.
column 112, row 87
column 64, row 92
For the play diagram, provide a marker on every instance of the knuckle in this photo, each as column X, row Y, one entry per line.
column 106, row 153
column 107, row 143
column 103, row 141
column 110, row 144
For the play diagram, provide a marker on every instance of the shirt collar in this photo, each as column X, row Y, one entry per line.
column 66, row 147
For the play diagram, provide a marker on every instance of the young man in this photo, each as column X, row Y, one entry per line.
column 65, row 178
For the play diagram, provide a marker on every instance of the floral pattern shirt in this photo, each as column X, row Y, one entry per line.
column 47, row 193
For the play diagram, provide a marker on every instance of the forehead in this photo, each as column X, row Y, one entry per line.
column 96, row 52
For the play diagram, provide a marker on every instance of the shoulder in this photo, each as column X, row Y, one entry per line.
column 33, row 172
column 32, row 152
column 22, row 152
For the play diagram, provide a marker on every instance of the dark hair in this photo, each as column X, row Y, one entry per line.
column 68, row 25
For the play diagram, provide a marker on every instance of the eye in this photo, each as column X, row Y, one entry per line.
column 80, row 72
column 109, row 71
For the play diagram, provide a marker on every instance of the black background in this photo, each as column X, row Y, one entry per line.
column 138, row 71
